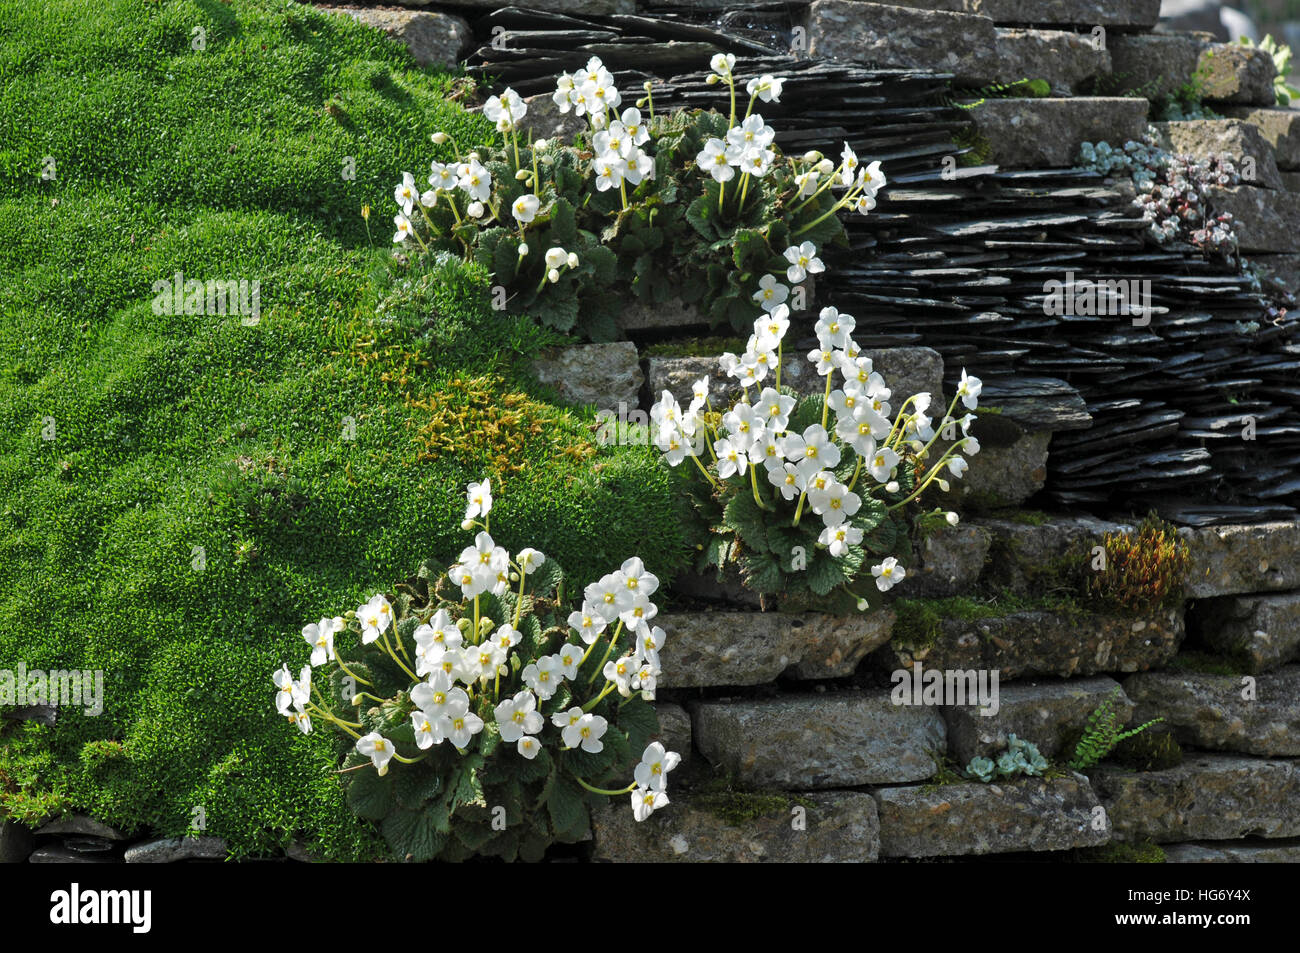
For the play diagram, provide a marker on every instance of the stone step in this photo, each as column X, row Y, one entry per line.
column 907, row 371
column 1133, row 14
column 1279, row 127
column 1042, row 712
column 1039, row 642
column 1256, row 632
column 1259, row 557
column 433, row 39
column 1218, row 852
column 948, row 561
column 835, row 739
column 817, row 827
column 1240, row 141
column 1232, row 73
column 968, row 45
column 1047, row 133
column 1207, row 797
column 601, row 375
column 1153, row 65
column 1026, row 553
column 1028, row 814
column 717, row 649
column 1247, row 714
column 1267, row 221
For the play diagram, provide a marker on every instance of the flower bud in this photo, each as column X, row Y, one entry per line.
column 475, row 210
column 647, row 85
column 811, row 156
column 439, row 138
column 952, row 518
column 891, row 486
column 863, row 605
column 572, row 260
column 553, row 276
column 467, row 524
column 523, row 250
column 514, row 577
column 943, row 485
column 826, row 167
column 713, row 79
column 473, row 157
column 463, row 625
column 521, row 175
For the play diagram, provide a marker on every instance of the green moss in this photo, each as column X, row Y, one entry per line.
column 695, row 347
column 920, row 621
column 1118, row 852
column 722, row 798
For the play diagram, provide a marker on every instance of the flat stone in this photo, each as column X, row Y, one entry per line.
column 169, row 850
column 898, row 37
column 674, row 729
column 819, row 741
column 1259, row 557
column 1279, row 127
column 1027, row 814
column 298, row 851
column 1207, row 797
column 1267, row 221
column 1153, row 65
column 906, row 370
column 1257, row 632
column 547, row 122
column 948, row 561
column 606, row 376
column 434, row 39
column 1025, row 550
column 47, row 715
column 57, row 854
column 1119, row 13
column 16, row 842
column 1232, row 73
column 671, row 315
column 1041, row 712
column 1047, row 133
column 1211, row 852
column 841, row 827
column 1282, row 272
column 1037, row 403
column 1237, row 139
column 1003, row 475
column 1065, row 60
column 82, row 825
column 754, row 648
column 1040, row 643
column 1208, row 711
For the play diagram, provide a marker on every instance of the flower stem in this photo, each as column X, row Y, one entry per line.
column 826, row 406
column 610, row 648
column 753, row 482
column 707, row 475
column 605, row 791
column 609, row 687
column 798, row 510
column 355, row 677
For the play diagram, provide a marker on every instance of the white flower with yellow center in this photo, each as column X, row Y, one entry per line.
column 518, row 716
column 656, row 762
column 646, row 801
column 839, row 538
column 586, row 733
column 888, row 574
column 378, row 749
column 375, row 618
column 588, row 622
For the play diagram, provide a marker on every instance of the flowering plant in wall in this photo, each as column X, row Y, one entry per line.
column 810, row 496
column 693, row 205
column 481, row 717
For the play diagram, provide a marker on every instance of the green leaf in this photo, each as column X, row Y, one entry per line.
column 742, row 515
column 639, row 719
column 369, row 795
column 469, row 790
column 567, row 809
column 762, row 573
column 413, row 836
column 824, row 573
column 564, row 228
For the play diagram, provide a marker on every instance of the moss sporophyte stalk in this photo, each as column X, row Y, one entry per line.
column 479, row 685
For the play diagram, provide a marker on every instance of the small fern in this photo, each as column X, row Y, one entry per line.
column 1102, row 733
column 1021, row 88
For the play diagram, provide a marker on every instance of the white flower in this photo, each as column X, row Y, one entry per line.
column 528, row 746
column 888, row 574
column 589, row 622
column 479, row 496
column 585, row 732
column 751, row 135
column 405, row 194
column 518, row 716
column 957, row 466
column 621, row 672
column 378, row 749
column 767, row 87
column 635, row 127
column 320, row 636
column 774, row 409
column 604, row 595
column 824, row 358
column 808, row 184
column 969, row 390
column 645, row 802
column 428, row 730
column 505, row 110
column 713, row 160
column 609, row 168
column 811, row 451
column 544, row 676
column 403, row 228
column 757, row 162
column 506, row 638
column 476, row 181
column 442, row 176
column 290, row 694
column 524, row 208
column 770, row 292
column 882, row 464
column 833, row 329
column 475, row 210
column 839, row 538
column 723, row 63
column 375, row 617
column 834, row 503
column 733, row 458
column 787, row 479
column 744, row 426
column 301, row 719
column 437, row 696
column 567, row 719
column 803, row 262
column 460, row 724
column 848, row 165
column 530, row 560
column 568, row 659
column 648, row 643
column 636, row 609
column 861, row 429
column 652, row 772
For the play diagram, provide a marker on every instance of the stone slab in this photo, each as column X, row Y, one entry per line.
column 1256, row 632
column 602, row 375
column 1047, row 133
column 1258, row 557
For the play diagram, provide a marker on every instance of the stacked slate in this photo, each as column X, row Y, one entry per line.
column 1194, row 406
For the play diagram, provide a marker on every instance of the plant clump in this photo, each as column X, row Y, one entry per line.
column 1142, row 571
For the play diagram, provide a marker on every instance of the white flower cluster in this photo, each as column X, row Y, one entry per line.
column 755, row 433
column 616, row 142
column 454, row 659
